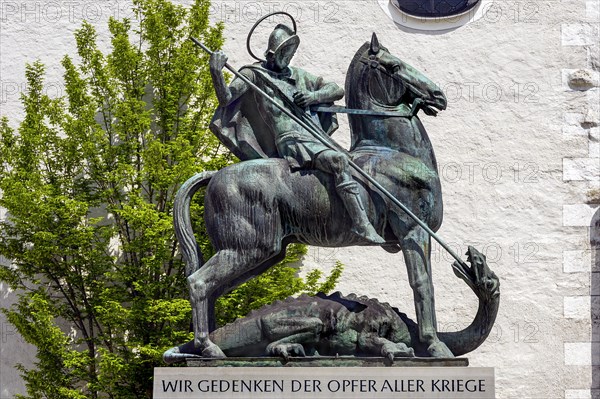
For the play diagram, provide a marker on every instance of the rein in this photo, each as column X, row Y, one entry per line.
column 373, row 62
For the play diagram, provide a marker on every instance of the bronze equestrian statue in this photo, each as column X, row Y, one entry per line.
column 295, row 184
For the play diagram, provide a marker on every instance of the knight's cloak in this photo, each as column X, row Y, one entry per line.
column 240, row 125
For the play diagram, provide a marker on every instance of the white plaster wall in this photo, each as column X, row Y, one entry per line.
column 517, row 150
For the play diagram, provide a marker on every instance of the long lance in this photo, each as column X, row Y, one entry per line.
column 336, row 147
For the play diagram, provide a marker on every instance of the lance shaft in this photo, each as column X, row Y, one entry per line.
column 334, row 146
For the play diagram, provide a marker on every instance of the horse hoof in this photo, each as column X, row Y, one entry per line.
column 181, row 353
column 173, row 356
column 213, row 351
column 392, row 248
column 439, row 349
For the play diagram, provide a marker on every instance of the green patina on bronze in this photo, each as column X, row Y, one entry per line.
column 296, row 184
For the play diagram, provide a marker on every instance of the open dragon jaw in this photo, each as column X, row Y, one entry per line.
column 296, row 184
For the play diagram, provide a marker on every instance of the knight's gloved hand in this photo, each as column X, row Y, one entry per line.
column 305, row 98
column 218, row 59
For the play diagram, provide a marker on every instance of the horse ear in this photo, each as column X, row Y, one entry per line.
column 374, row 44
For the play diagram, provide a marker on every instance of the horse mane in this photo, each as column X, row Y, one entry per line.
column 354, row 88
column 353, row 70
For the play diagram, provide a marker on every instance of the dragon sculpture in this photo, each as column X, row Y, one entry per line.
column 349, row 325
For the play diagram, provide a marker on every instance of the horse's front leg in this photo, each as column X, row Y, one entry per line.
column 416, row 247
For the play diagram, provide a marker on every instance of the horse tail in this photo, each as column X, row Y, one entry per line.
column 190, row 250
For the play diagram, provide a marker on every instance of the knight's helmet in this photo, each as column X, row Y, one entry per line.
column 282, row 36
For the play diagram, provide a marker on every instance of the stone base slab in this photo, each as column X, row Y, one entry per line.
column 324, row 382
column 327, row 361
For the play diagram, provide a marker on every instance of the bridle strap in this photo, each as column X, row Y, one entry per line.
column 375, row 64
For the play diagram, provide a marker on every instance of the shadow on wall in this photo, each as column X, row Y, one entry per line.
column 595, row 302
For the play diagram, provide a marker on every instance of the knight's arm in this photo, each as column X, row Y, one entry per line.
column 225, row 94
column 318, row 91
column 328, row 92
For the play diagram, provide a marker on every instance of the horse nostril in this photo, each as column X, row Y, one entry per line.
column 441, row 98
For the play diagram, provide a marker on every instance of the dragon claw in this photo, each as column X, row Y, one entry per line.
column 286, row 350
column 397, row 350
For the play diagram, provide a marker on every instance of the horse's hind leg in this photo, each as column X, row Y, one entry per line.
column 220, row 271
column 416, row 246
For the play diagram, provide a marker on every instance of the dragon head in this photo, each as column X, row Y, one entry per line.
column 478, row 276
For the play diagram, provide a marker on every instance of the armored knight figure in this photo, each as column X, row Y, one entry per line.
column 252, row 127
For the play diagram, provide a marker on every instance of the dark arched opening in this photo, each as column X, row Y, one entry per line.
column 434, row 8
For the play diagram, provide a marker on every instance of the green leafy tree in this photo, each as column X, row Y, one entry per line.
column 88, row 181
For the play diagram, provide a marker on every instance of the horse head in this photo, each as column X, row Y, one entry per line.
column 388, row 81
column 379, row 81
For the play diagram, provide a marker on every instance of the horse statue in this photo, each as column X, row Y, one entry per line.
column 255, row 208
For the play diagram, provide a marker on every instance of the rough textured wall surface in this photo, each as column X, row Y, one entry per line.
column 518, row 151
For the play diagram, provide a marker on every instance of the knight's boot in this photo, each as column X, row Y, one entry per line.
column 361, row 226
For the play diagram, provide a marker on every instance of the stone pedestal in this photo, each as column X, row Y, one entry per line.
column 326, row 378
